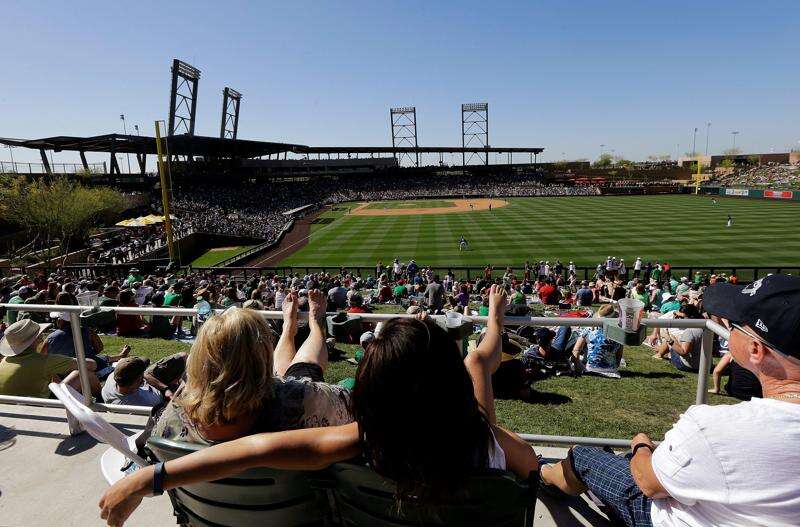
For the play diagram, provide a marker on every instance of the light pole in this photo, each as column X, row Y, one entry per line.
column 601, row 149
column 125, row 129
column 734, row 134
column 11, row 153
column 694, row 143
column 136, row 127
column 708, row 132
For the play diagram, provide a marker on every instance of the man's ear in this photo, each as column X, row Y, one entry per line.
column 757, row 351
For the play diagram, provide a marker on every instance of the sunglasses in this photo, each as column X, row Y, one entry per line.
column 762, row 340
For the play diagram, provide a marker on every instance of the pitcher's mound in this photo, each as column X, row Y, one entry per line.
column 458, row 205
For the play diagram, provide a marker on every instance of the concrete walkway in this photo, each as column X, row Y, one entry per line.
column 49, row 478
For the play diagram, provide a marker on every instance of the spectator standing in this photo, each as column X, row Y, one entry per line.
column 434, row 294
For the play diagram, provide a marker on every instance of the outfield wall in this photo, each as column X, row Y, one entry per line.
column 753, row 193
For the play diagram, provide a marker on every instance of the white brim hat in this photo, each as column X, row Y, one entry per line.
column 19, row 336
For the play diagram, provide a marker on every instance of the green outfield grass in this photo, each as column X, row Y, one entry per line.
column 426, row 203
column 683, row 230
column 649, row 397
column 214, row 256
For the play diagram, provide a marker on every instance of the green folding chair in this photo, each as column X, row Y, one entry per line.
column 495, row 498
column 255, row 497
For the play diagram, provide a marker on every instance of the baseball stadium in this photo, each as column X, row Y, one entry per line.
column 213, row 330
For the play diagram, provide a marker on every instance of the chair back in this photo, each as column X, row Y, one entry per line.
column 256, row 497
column 494, row 498
column 91, row 421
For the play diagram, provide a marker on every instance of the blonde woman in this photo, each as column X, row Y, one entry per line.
column 236, row 384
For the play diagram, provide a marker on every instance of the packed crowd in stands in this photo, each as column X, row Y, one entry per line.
column 769, row 175
column 126, row 245
column 257, row 209
column 246, row 376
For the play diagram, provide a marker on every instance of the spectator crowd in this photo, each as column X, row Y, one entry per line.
column 246, row 379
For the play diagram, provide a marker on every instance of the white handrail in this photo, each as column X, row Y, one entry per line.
column 709, row 329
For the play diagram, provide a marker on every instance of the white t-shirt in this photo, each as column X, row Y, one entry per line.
column 731, row 465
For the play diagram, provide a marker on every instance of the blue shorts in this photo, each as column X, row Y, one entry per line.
column 676, row 361
column 609, row 478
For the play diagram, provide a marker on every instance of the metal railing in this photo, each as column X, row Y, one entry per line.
column 745, row 273
column 16, row 167
column 709, row 328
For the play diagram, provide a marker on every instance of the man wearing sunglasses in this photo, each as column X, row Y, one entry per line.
column 718, row 465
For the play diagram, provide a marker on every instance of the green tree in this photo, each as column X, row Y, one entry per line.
column 54, row 210
column 604, row 161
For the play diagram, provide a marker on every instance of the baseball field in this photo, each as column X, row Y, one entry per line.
column 682, row 230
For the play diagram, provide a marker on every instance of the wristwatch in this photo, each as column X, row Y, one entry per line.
column 637, row 446
column 158, row 479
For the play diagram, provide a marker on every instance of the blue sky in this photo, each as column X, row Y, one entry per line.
column 637, row 76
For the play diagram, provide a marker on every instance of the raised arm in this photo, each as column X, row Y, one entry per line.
column 306, row 449
column 485, row 360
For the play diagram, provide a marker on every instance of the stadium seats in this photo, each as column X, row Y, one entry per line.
column 255, row 497
column 359, row 497
column 495, row 498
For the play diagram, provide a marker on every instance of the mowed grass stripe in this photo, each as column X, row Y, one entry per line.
column 684, row 230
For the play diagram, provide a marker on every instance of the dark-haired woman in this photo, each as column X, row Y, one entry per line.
column 425, row 419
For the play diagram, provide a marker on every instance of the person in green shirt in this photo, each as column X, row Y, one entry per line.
column 669, row 303
column 22, row 295
column 173, row 298
column 400, row 291
column 174, row 295
column 25, row 372
column 517, row 297
column 109, row 297
column 655, row 274
column 134, row 277
column 683, row 287
column 639, row 293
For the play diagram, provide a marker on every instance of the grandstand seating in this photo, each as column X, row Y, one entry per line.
column 358, row 496
column 255, row 497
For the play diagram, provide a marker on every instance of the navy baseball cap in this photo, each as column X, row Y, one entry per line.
column 769, row 306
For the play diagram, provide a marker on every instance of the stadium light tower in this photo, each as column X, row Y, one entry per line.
column 403, row 123
column 231, row 99
column 475, row 129
column 183, row 98
column 734, row 134
column 125, row 130
column 694, row 143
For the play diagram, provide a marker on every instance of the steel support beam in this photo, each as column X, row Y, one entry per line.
column 142, row 159
column 45, row 161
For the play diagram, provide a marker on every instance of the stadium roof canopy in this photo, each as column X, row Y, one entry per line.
column 189, row 145
column 195, row 145
column 413, row 149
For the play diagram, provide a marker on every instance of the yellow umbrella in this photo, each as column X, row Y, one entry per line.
column 142, row 221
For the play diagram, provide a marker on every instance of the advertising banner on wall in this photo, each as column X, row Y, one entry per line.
column 778, row 194
column 740, row 192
